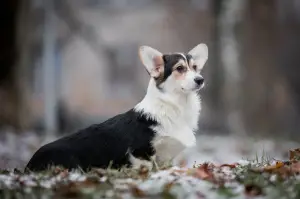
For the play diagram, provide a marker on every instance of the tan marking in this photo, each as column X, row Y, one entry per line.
column 178, row 75
column 159, row 79
column 180, row 63
column 161, row 69
column 158, row 61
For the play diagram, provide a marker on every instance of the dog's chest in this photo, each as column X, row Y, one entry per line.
column 176, row 131
column 180, row 129
column 170, row 139
column 176, row 123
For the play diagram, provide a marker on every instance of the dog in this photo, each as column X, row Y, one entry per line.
column 167, row 114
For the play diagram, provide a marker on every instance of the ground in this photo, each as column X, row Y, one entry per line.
column 244, row 179
column 219, row 167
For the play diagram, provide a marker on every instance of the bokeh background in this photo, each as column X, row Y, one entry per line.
column 68, row 64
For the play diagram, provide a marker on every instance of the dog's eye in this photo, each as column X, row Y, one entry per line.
column 180, row 69
column 195, row 67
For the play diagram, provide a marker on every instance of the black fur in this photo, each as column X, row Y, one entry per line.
column 99, row 144
column 188, row 58
column 169, row 61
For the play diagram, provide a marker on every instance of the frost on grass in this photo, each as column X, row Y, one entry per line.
column 242, row 179
column 261, row 178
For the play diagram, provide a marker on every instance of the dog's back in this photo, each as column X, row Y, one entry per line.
column 112, row 141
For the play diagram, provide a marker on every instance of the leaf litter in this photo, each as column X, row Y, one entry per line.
column 243, row 179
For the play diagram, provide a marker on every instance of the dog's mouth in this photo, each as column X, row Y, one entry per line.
column 195, row 89
column 198, row 87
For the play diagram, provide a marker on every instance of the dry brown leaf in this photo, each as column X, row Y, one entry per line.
column 204, row 172
column 282, row 169
column 144, row 171
column 191, row 171
column 294, row 154
column 284, row 172
column 271, row 168
column 137, row 192
column 168, row 186
column 295, row 168
column 278, row 168
column 57, row 170
column 69, row 190
column 88, row 183
column 64, row 173
column 232, row 166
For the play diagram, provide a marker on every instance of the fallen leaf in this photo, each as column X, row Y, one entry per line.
column 204, row 172
column 281, row 168
column 294, row 154
column 137, row 192
column 64, row 173
column 89, row 182
column 284, row 172
column 271, row 168
column 168, row 186
column 57, row 170
column 232, row 166
column 295, row 168
column 69, row 190
column 144, row 171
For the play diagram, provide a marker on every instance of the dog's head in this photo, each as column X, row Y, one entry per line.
column 175, row 72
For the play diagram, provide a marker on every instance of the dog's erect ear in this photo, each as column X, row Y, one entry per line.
column 199, row 54
column 152, row 60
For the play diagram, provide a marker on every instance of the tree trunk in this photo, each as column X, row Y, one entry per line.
column 12, row 84
column 229, row 19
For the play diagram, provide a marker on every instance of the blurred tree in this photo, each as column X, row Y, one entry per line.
column 13, row 76
column 231, row 17
column 288, row 60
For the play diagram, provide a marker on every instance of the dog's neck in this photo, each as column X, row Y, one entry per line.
column 171, row 108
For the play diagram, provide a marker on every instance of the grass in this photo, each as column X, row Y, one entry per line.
column 258, row 178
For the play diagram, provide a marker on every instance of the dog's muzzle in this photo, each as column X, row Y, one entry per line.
column 199, row 81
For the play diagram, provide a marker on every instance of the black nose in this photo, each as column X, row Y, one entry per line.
column 199, row 80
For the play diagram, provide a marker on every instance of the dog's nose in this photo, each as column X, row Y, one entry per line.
column 199, row 80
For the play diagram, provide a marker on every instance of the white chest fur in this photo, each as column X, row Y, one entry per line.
column 178, row 120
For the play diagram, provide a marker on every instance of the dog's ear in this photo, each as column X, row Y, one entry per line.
column 152, row 60
column 199, row 54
